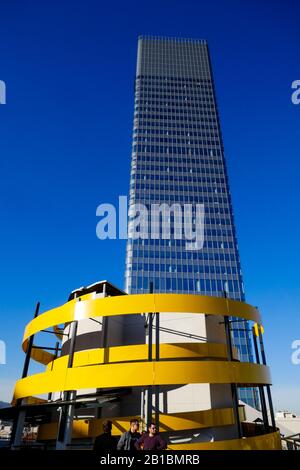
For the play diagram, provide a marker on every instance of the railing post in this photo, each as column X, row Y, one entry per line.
column 55, row 357
column 18, row 423
column 64, row 435
column 260, row 387
column 29, row 347
column 234, row 391
column 149, row 390
column 264, row 361
column 157, row 358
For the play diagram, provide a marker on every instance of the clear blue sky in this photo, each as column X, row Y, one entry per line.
column 65, row 148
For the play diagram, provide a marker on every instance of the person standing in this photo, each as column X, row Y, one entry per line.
column 105, row 442
column 129, row 438
column 151, row 440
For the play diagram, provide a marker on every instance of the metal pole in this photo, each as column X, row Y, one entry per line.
column 260, row 387
column 264, row 361
column 157, row 358
column 150, row 337
column 143, row 405
column 157, row 337
column 55, row 357
column 150, row 358
column 73, row 333
column 234, row 391
column 103, row 345
column 18, row 423
column 271, row 406
column 150, row 326
column 104, row 335
column 67, row 411
column 29, row 346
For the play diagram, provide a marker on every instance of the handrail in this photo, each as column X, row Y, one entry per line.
column 294, row 440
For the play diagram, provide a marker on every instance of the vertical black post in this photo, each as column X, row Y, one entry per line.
column 234, row 391
column 66, row 410
column 103, row 345
column 271, row 407
column 260, row 387
column 73, row 333
column 157, row 336
column 157, row 357
column 29, row 346
column 264, row 361
column 17, row 423
column 55, row 357
column 105, row 322
column 150, row 358
column 150, row 327
column 150, row 340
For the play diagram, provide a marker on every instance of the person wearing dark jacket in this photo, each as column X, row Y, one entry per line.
column 105, row 442
column 151, row 440
column 128, row 439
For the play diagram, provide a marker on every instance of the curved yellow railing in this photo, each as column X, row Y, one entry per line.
column 127, row 366
column 93, row 372
column 136, row 373
column 84, row 428
column 139, row 352
column 86, row 307
column 270, row 441
column 139, row 374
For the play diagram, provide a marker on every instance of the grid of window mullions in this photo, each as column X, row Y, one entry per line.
column 175, row 108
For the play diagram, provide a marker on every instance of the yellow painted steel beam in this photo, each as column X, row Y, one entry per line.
column 83, row 428
column 87, row 307
column 139, row 352
column 143, row 373
column 269, row 441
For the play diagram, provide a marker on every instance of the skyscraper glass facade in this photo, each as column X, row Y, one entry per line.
column 178, row 158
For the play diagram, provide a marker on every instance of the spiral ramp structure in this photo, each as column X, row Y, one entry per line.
column 161, row 357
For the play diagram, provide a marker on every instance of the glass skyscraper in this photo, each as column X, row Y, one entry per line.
column 178, row 158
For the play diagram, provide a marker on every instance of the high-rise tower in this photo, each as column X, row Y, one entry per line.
column 178, row 158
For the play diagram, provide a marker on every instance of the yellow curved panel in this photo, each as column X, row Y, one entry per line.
column 139, row 352
column 87, row 307
column 83, row 428
column 143, row 373
column 264, row 442
column 195, row 419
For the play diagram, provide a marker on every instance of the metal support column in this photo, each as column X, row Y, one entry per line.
column 157, row 357
column 150, row 358
column 64, row 436
column 18, row 424
column 264, row 361
column 55, row 357
column 261, row 387
column 103, row 345
column 234, row 391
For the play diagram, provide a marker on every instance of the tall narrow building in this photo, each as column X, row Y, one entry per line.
column 178, row 158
